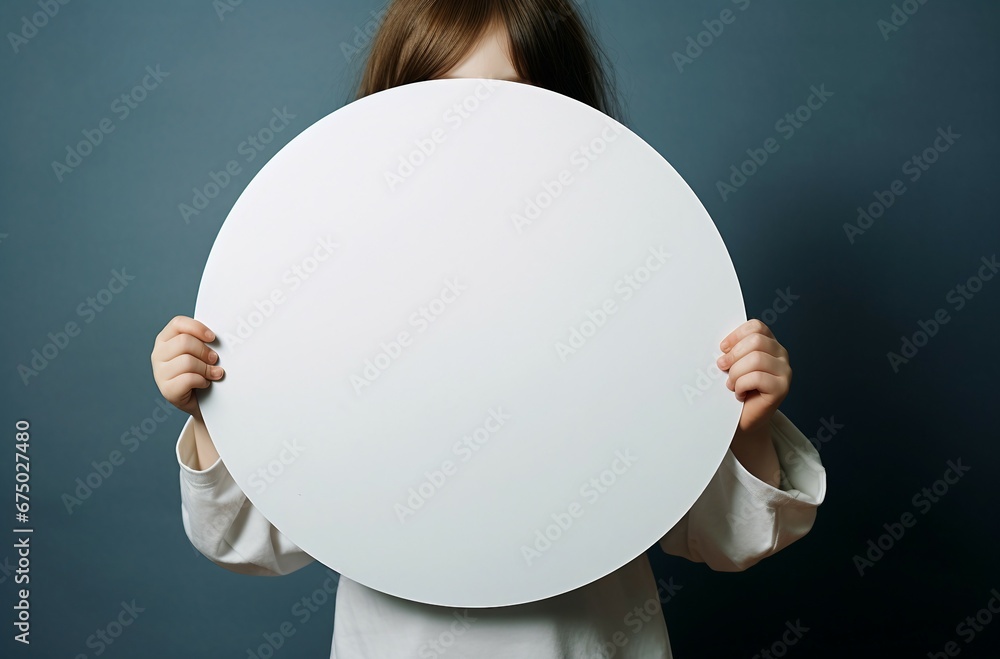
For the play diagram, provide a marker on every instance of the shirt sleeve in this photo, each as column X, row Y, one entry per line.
column 739, row 519
column 224, row 525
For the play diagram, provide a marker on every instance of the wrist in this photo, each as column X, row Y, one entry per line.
column 205, row 450
column 755, row 451
column 755, row 435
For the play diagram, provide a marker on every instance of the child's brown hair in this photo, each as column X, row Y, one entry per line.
column 549, row 44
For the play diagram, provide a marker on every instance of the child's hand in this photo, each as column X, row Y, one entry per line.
column 182, row 362
column 759, row 372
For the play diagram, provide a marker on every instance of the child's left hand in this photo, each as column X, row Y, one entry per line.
column 759, row 372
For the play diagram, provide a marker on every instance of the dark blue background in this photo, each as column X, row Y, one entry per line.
column 59, row 242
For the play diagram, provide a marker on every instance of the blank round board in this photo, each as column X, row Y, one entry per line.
column 469, row 330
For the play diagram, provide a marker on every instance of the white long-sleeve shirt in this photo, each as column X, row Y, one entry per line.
column 737, row 521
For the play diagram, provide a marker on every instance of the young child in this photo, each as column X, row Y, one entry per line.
column 763, row 496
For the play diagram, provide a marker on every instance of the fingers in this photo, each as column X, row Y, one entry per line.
column 752, row 326
column 755, row 361
column 185, row 325
column 186, row 363
column 763, row 382
column 186, row 344
column 177, row 389
column 750, row 344
column 182, row 342
column 182, row 361
column 759, row 361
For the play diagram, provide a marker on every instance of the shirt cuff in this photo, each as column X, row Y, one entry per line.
column 187, row 455
column 803, row 477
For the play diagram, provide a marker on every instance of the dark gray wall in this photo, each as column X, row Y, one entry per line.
column 891, row 93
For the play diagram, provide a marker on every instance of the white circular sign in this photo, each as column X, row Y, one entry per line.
column 469, row 330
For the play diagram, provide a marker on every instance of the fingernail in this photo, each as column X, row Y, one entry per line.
column 211, row 335
column 216, row 371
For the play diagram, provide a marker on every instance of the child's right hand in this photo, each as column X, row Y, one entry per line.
column 182, row 362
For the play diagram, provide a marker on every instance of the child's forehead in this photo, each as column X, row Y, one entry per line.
column 490, row 57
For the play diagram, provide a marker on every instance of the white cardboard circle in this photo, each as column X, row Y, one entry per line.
column 518, row 220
